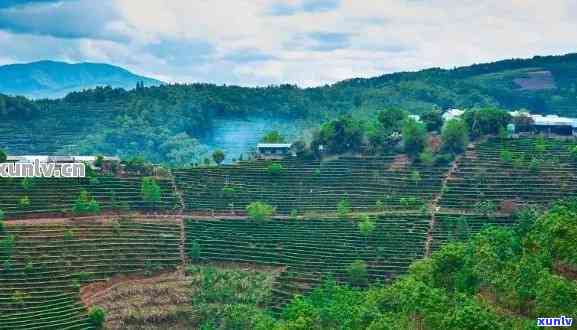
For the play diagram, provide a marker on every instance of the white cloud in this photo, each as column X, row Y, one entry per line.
column 309, row 43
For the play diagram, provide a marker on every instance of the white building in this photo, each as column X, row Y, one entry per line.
column 273, row 150
column 452, row 114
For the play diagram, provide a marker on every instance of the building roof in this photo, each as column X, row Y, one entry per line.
column 548, row 120
column 452, row 113
column 274, row 145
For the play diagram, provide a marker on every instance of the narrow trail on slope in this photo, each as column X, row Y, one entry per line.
column 179, row 212
column 434, row 206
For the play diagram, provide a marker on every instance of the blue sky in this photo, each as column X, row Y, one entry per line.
column 262, row 42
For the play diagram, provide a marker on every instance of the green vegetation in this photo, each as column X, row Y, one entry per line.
column 97, row 317
column 273, row 137
column 85, row 205
column 3, row 156
column 259, row 211
column 455, row 136
column 218, row 156
column 230, row 299
column 275, row 169
column 150, row 190
column 414, row 137
column 164, row 123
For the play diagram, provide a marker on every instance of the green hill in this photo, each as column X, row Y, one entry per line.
column 165, row 123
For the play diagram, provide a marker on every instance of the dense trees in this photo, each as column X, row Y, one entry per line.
column 414, row 137
column 486, row 121
column 502, row 278
column 339, row 136
column 455, row 136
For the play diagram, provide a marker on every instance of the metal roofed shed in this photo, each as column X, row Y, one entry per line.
column 274, row 150
column 549, row 124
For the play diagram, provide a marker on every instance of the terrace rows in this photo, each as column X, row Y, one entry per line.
column 533, row 175
column 309, row 186
column 56, row 195
column 311, row 249
column 40, row 278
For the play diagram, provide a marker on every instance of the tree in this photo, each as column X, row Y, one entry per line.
column 414, row 137
column 433, row 120
column 85, row 205
column 218, row 156
column 486, row 120
column 455, row 136
column 3, row 156
column 273, row 137
column 357, row 272
column 339, row 136
column 259, row 211
column 97, row 316
column 150, row 190
column 391, row 119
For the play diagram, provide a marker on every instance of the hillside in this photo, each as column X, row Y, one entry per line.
column 50, row 79
column 178, row 124
column 196, row 260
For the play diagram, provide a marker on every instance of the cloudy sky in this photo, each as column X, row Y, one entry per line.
column 261, row 42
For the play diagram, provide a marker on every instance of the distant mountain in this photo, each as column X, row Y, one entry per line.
column 50, row 79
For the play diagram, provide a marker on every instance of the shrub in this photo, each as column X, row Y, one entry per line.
column 85, row 205
column 227, row 192
column 357, row 272
column 3, row 156
column 506, row 156
column 294, row 214
column 275, row 169
column 366, row 226
column 426, row 157
column 344, row 208
column 260, row 211
column 27, row 183
column 68, row 235
column 97, row 316
column 150, row 190
column 195, row 251
column 24, row 202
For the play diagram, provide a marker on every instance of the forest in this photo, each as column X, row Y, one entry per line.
column 165, row 124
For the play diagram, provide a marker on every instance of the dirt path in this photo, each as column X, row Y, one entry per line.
column 434, row 205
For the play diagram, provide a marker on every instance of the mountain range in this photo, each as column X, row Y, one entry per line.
column 51, row 79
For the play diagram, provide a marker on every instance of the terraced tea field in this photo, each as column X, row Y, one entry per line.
column 311, row 186
column 513, row 173
column 56, row 195
column 44, row 263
